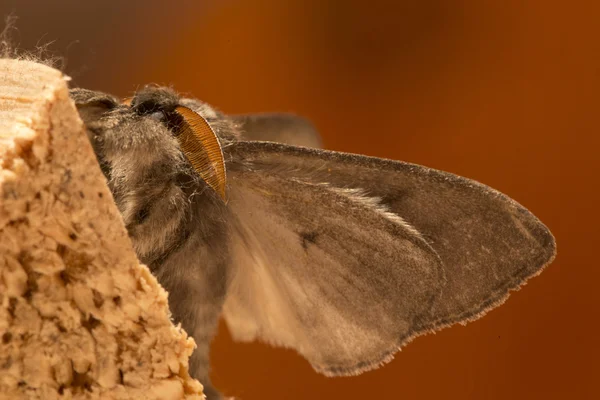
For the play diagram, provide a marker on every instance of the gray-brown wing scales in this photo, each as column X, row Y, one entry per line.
column 281, row 128
column 488, row 243
column 324, row 271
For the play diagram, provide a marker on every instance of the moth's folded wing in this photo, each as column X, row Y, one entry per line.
column 325, row 271
column 277, row 127
column 488, row 243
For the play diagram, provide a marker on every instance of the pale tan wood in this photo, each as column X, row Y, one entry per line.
column 78, row 314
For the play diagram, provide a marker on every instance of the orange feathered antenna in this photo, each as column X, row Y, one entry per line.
column 201, row 146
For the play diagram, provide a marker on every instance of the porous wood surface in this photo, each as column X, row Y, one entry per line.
column 80, row 318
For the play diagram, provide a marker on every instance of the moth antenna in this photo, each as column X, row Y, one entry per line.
column 202, row 148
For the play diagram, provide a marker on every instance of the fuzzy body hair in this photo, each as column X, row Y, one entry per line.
column 178, row 225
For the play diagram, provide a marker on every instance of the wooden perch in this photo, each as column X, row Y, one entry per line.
column 80, row 318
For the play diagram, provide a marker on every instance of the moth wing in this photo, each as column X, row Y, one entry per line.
column 325, row 271
column 488, row 243
column 278, row 127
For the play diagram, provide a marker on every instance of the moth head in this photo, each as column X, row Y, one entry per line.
column 160, row 153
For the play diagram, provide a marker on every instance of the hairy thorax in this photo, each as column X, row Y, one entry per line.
column 154, row 185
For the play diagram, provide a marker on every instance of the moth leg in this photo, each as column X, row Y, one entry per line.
column 200, row 359
column 210, row 392
column 196, row 297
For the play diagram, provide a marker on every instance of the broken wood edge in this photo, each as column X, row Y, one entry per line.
column 80, row 317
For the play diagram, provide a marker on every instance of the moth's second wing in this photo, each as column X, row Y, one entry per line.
column 488, row 243
column 325, row 271
column 277, row 127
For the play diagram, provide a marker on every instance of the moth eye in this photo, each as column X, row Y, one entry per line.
column 146, row 108
column 201, row 147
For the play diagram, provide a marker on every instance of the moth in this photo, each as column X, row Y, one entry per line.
column 343, row 257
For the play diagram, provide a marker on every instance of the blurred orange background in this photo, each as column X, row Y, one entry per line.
column 506, row 93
